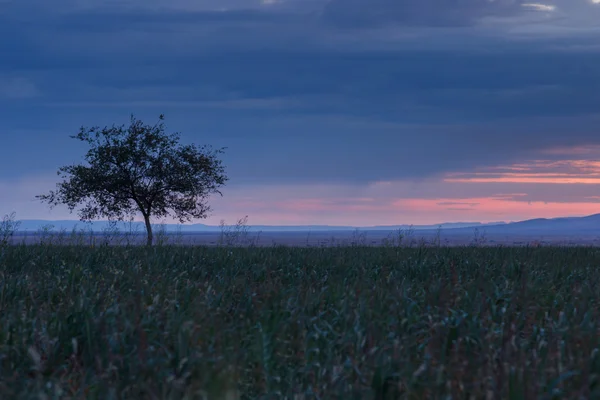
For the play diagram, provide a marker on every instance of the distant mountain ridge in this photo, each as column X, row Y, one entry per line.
column 588, row 225
column 99, row 226
column 544, row 229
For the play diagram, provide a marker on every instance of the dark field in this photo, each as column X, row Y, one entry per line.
column 355, row 322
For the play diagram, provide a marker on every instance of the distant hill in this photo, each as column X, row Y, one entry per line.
column 566, row 230
column 589, row 225
column 99, row 226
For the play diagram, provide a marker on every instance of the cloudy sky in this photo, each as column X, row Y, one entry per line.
column 354, row 112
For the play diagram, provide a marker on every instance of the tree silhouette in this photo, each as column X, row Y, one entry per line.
column 139, row 169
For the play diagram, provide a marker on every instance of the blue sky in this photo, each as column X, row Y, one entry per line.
column 345, row 112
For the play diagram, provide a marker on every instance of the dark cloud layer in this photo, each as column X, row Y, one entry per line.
column 293, row 99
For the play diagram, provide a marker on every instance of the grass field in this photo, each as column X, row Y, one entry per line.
column 299, row 323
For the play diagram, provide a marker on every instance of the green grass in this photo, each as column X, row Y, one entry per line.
column 298, row 323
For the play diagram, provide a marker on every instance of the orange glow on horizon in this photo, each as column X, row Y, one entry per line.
column 354, row 212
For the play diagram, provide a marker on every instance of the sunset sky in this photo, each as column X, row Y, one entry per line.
column 340, row 112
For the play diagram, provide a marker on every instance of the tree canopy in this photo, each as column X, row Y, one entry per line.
column 139, row 169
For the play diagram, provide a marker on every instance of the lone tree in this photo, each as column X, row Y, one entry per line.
column 139, row 169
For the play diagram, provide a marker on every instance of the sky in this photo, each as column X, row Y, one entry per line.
column 340, row 112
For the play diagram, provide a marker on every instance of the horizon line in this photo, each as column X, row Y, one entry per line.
column 306, row 225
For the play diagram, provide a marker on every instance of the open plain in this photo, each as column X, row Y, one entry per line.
column 352, row 322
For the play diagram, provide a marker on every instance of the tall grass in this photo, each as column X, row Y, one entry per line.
column 8, row 226
column 357, row 322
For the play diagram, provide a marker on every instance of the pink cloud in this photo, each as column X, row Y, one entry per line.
column 534, row 178
column 561, row 172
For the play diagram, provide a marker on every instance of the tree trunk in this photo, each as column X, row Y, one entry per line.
column 148, row 230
